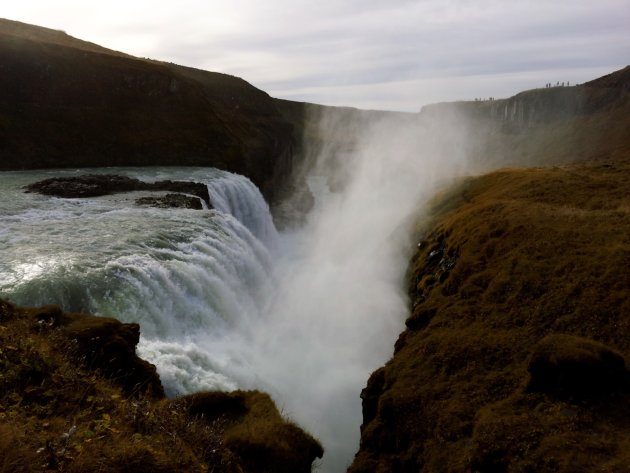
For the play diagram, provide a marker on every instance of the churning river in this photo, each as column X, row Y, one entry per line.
column 224, row 301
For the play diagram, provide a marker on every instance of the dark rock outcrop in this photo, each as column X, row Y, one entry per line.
column 105, row 344
column 93, row 185
column 168, row 201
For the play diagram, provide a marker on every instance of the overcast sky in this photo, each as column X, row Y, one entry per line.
column 395, row 54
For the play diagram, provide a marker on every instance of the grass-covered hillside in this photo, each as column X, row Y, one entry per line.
column 515, row 354
column 514, row 357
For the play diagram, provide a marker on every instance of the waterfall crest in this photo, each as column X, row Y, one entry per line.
column 236, row 195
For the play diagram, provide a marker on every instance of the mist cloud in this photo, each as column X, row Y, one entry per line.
column 340, row 301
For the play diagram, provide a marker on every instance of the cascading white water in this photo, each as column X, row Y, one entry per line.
column 340, row 300
column 190, row 278
column 235, row 195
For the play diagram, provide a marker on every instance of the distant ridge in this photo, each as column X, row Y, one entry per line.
column 51, row 36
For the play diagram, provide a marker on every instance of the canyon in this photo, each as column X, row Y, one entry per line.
column 513, row 224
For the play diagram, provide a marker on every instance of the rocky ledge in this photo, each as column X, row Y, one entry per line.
column 94, row 185
column 104, row 344
column 75, row 397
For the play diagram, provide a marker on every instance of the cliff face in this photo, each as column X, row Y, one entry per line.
column 328, row 135
column 541, row 106
column 68, row 103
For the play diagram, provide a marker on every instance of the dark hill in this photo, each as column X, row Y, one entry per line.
column 69, row 103
column 52, row 36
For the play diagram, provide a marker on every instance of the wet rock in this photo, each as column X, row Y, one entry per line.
column 292, row 205
column 90, row 185
column 169, row 201
column 435, row 256
column 573, row 367
column 182, row 187
column 434, row 261
column 93, row 185
column 420, row 318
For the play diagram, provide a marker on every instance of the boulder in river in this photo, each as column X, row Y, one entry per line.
column 93, row 185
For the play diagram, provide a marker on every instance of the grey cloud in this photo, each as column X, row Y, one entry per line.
column 302, row 48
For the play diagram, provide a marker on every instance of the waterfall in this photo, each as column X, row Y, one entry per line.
column 236, row 195
column 193, row 279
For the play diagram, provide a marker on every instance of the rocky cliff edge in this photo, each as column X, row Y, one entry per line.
column 75, row 397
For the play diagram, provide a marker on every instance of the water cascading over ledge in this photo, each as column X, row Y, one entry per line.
column 177, row 272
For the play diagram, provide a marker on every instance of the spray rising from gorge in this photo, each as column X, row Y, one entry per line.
column 225, row 302
column 341, row 300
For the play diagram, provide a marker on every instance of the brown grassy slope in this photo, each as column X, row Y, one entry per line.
column 512, row 357
column 66, row 405
column 67, row 103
